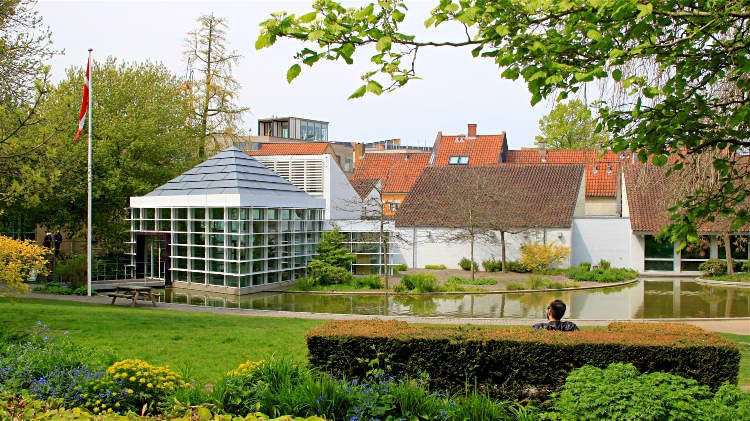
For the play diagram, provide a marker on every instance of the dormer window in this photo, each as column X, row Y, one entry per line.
column 458, row 160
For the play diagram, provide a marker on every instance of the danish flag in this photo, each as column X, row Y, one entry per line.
column 84, row 102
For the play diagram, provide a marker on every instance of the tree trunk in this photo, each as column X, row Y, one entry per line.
column 471, row 258
column 728, row 250
column 502, row 248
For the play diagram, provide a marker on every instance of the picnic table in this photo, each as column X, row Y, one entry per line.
column 133, row 292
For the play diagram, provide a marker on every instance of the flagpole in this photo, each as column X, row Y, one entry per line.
column 90, row 177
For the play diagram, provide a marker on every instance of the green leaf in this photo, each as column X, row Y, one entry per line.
column 593, row 34
column 374, row 87
column 398, row 16
column 293, row 72
column 502, row 30
column 617, row 74
column 308, row 17
column 315, row 35
column 383, row 44
column 262, row 41
column 359, row 92
column 616, row 52
column 645, row 10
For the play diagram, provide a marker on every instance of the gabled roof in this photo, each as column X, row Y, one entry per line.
column 602, row 171
column 397, row 170
column 234, row 175
column 481, row 149
column 517, row 196
column 364, row 186
column 291, row 148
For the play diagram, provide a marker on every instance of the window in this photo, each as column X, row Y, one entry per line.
column 659, row 255
column 458, row 160
column 695, row 253
column 393, row 206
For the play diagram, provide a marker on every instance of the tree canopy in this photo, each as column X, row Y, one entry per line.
column 680, row 68
column 570, row 126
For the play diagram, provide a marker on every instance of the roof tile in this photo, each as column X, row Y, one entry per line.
column 290, row 148
column 397, row 170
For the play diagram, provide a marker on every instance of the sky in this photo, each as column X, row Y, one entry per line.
column 455, row 89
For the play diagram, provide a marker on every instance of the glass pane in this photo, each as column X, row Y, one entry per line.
column 216, row 239
column 245, row 214
column 163, row 225
column 197, row 251
column 259, row 279
column 198, row 264
column 216, row 213
column 198, row 278
column 259, row 227
column 698, row 250
column 148, row 225
column 667, row 265
column 198, row 226
column 658, row 248
column 272, row 214
column 215, row 252
column 198, row 213
column 691, row 265
column 165, row 213
column 286, row 214
column 259, row 240
column 216, row 266
column 198, row 239
column 258, row 214
column 217, row 226
column 216, row 279
column 232, row 281
column 233, row 240
column 180, row 213
column 233, row 226
column 273, row 226
column 135, row 213
column 179, row 263
column 148, row 213
column 178, row 251
column 180, row 238
column 180, row 226
column 233, row 213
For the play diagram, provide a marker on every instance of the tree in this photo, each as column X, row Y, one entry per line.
column 213, row 91
column 569, row 126
column 331, row 266
column 25, row 45
column 560, row 47
column 141, row 139
column 20, row 260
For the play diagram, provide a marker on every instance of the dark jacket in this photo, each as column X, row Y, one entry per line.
column 559, row 325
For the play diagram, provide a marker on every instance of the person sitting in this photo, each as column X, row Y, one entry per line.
column 555, row 311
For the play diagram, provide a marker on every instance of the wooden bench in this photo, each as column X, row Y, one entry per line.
column 134, row 293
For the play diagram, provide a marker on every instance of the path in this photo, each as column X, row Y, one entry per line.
column 740, row 326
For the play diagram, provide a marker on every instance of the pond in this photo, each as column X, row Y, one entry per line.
column 645, row 299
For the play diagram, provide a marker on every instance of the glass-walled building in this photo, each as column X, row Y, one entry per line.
column 228, row 225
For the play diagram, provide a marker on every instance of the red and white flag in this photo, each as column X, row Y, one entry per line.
column 84, row 102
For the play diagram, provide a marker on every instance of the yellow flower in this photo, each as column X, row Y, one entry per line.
column 142, row 380
column 117, row 404
column 149, row 385
column 129, row 391
column 96, row 409
column 132, row 379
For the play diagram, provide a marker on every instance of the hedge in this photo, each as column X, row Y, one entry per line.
column 511, row 362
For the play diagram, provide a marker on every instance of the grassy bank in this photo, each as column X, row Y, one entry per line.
column 206, row 345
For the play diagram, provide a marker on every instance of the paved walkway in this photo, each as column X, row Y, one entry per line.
column 739, row 326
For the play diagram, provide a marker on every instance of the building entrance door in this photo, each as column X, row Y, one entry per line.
column 155, row 257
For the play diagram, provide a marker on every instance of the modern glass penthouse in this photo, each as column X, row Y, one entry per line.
column 228, row 225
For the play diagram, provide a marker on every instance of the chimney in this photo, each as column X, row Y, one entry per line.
column 543, row 150
column 359, row 152
column 472, row 131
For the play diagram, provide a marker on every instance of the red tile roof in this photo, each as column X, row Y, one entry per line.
column 397, row 170
column 602, row 171
column 481, row 150
column 291, row 148
column 516, row 196
column 363, row 186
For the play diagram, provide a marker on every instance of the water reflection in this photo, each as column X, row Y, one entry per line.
column 645, row 299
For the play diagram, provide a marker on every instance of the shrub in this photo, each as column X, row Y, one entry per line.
column 435, row 267
column 621, row 392
column 492, row 265
column 132, row 385
column 505, row 362
column 421, row 282
column 61, row 290
column 584, row 266
column 538, row 282
column 602, row 275
column 400, row 267
column 541, row 256
column 370, row 282
column 713, row 267
column 513, row 266
column 746, row 266
column 515, row 286
column 467, row 264
column 20, row 260
column 72, row 270
column 604, row 264
column 322, row 273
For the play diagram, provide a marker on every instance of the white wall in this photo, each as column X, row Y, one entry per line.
column 342, row 201
column 428, row 246
column 601, row 206
column 602, row 238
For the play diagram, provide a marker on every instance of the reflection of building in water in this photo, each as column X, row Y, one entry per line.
column 675, row 298
column 613, row 303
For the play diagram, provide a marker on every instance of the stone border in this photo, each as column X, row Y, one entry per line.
column 484, row 292
column 722, row 283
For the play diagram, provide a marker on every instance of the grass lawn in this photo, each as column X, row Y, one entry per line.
column 737, row 277
column 205, row 345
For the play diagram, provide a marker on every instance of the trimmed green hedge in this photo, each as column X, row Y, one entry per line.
column 516, row 361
